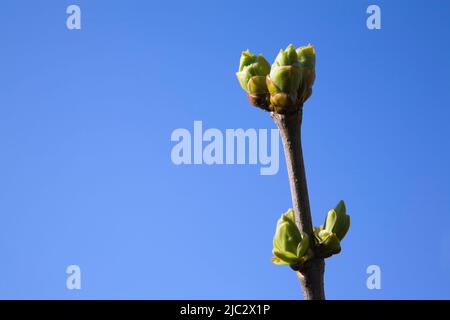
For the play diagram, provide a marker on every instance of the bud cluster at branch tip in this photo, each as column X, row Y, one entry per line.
column 283, row 87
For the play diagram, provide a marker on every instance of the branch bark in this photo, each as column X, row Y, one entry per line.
column 311, row 276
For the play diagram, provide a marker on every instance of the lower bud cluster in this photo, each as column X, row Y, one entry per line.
column 292, row 247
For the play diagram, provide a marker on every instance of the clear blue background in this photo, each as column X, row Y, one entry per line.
column 86, row 176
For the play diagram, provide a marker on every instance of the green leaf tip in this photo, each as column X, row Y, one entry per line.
column 336, row 226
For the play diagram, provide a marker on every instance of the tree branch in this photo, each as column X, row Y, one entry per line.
column 311, row 276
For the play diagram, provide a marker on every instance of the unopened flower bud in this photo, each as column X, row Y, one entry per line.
column 307, row 58
column 284, row 81
column 252, row 77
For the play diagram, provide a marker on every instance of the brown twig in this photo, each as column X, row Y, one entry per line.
column 311, row 275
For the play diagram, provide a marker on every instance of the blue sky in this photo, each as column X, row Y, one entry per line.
column 86, row 176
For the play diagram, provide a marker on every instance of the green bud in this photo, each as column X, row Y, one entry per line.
column 337, row 220
column 328, row 243
column 303, row 246
column 251, row 75
column 289, row 245
column 284, row 81
column 307, row 59
column 330, row 220
column 287, row 57
column 329, row 236
column 307, row 56
column 247, row 58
